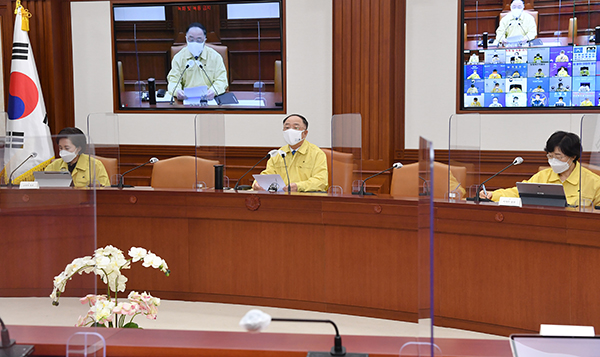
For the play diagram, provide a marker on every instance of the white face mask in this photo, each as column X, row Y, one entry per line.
column 195, row 48
column 67, row 156
column 516, row 13
column 558, row 166
column 292, row 136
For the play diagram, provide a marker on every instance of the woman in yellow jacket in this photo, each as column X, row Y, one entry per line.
column 84, row 169
column 563, row 151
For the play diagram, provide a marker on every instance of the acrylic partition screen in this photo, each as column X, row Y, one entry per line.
column 425, row 345
column 345, row 156
column 210, row 151
column 103, row 131
column 542, row 57
column 464, row 156
column 590, row 160
column 239, row 57
column 45, row 229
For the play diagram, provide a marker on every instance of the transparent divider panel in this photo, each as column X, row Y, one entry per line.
column 103, row 131
column 464, row 156
column 590, row 160
column 425, row 338
column 45, row 230
column 345, row 158
column 210, row 150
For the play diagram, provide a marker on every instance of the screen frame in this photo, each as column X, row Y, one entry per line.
column 460, row 81
column 197, row 110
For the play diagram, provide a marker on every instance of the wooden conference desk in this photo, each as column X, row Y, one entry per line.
column 51, row 341
column 498, row 269
column 131, row 100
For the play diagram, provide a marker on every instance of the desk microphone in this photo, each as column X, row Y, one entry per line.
column 32, row 155
column 256, row 321
column 121, row 185
column 223, row 98
column 517, row 161
column 6, row 341
column 289, row 190
column 8, row 347
column 362, row 192
column 247, row 187
column 187, row 65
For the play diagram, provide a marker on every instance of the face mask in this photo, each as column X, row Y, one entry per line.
column 195, row 48
column 516, row 13
column 67, row 156
column 558, row 166
column 292, row 136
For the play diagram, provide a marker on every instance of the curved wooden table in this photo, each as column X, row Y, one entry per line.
column 498, row 269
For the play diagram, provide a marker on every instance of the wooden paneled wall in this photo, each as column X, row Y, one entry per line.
column 50, row 37
column 368, row 74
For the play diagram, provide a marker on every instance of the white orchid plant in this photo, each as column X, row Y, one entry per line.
column 106, row 310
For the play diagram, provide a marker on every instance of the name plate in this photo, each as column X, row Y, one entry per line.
column 29, row 185
column 510, row 201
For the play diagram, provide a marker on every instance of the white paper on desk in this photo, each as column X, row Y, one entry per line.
column 194, row 94
column 265, row 181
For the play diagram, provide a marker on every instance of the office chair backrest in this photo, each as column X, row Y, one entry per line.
column 178, row 172
column 340, row 170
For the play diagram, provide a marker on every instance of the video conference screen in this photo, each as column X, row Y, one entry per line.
column 532, row 77
column 238, row 64
column 529, row 56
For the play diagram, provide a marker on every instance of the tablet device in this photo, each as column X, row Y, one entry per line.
column 53, row 178
column 554, row 346
column 542, row 194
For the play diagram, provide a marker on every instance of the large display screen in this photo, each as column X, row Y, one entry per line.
column 529, row 56
column 241, row 57
column 533, row 77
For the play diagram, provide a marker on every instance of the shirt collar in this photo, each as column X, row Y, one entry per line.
column 302, row 149
column 82, row 163
column 573, row 178
column 189, row 56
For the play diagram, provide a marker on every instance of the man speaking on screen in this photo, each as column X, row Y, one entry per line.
column 518, row 26
column 190, row 61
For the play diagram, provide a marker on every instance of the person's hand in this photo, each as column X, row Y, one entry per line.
column 180, row 94
column 210, row 94
column 293, row 187
column 483, row 195
column 257, row 187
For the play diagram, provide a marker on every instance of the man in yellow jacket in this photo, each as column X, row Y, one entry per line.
column 306, row 162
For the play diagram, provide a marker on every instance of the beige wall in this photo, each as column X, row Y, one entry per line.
column 431, row 87
column 309, row 78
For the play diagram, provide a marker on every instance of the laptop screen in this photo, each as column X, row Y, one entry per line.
column 542, row 194
column 554, row 346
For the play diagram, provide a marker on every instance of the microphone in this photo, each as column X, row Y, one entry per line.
column 6, row 341
column 121, row 185
column 517, row 161
column 362, row 192
column 247, row 187
column 223, row 98
column 8, row 346
column 187, row 65
column 286, row 172
column 255, row 320
column 32, row 155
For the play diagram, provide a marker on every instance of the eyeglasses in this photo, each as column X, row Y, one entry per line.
column 560, row 157
column 198, row 39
